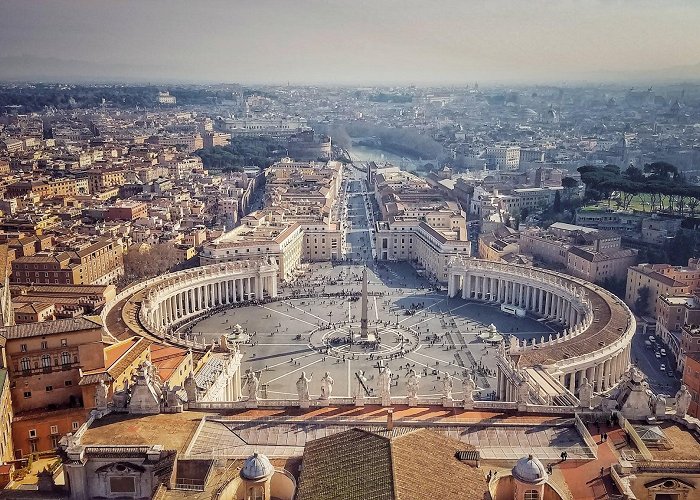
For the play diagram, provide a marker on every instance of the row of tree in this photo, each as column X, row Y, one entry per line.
column 659, row 185
column 243, row 151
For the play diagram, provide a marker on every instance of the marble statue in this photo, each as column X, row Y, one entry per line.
column 412, row 383
column 101, row 395
column 659, row 406
column 683, row 398
column 384, row 383
column 585, row 393
column 447, row 386
column 523, row 392
column 468, row 387
column 303, row 386
column 326, row 386
column 252, row 383
column 360, row 384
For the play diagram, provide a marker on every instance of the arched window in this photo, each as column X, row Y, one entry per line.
column 532, row 495
column 25, row 364
column 257, row 493
column 65, row 358
column 46, row 363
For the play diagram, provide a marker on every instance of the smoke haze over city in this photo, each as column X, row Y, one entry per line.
column 356, row 42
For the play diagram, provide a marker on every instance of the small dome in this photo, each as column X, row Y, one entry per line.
column 257, row 467
column 529, row 470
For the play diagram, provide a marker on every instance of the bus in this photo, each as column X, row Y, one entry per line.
column 515, row 311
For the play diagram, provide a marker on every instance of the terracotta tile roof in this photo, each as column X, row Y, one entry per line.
column 425, row 467
column 611, row 321
column 167, row 358
column 416, row 465
column 4, row 266
column 352, row 465
column 51, row 327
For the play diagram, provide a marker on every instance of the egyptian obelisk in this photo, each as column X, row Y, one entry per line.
column 363, row 321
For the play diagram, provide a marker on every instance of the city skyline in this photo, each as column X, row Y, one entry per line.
column 361, row 42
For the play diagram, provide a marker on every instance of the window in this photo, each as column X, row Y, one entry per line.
column 64, row 342
column 49, row 388
column 23, row 347
column 54, row 429
column 27, row 394
column 55, row 441
column 532, row 495
column 257, row 493
column 68, row 383
column 32, row 433
column 65, row 358
column 74, row 426
column 46, row 363
column 24, row 363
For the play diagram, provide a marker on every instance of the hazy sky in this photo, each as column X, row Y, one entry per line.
column 350, row 41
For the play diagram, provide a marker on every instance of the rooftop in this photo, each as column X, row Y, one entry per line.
column 144, row 430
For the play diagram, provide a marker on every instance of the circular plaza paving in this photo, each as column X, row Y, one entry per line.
column 411, row 325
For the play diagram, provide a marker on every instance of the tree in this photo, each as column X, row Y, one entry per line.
column 641, row 304
column 144, row 263
column 569, row 184
column 557, row 202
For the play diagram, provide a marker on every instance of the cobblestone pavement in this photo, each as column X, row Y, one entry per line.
column 447, row 331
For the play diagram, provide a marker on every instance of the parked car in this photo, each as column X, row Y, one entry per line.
column 658, row 355
column 663, row 367
column 663, row 352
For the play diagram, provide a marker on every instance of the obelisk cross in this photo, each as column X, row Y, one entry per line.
column 363, row 320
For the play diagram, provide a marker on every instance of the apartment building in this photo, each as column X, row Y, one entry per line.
column 127, row 210
column 6, row 416
column 503, row 157
column 672, row 314
column 99, row 263
column 691, row 379
column 48, row 188
column 44, row 361
column 103, row 179
column 598, row 266
column 661, row 279
column 498, row 244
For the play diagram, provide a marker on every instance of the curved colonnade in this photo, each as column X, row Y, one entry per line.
column 595, row 343
column 157, row 306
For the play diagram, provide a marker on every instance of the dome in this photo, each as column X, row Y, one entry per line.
column 257, row 467
column 529, row 470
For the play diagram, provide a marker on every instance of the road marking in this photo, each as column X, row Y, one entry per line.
column 294, row 371
column 289, row 316
column 287, row 362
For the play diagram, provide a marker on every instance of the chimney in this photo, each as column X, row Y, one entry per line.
column 390, row 419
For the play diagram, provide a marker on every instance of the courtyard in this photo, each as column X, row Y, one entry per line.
column 417, row 327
